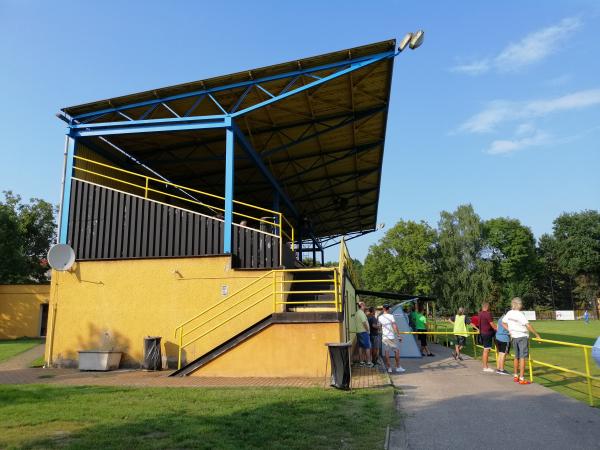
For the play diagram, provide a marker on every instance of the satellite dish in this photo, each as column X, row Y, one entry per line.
column 61, row 257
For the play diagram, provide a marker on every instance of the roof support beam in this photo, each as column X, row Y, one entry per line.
column 351, row 65
column 263, row 169
column 149, row 126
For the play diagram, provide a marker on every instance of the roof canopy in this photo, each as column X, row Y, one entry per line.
column 316, row 125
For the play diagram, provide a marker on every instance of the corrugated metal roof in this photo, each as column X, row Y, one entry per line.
column 333, row 178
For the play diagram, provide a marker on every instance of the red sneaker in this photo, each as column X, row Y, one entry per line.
column 524, row 382
column 516, row 379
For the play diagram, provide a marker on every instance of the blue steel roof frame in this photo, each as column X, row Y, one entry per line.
column 352, row 64
column 80, row 126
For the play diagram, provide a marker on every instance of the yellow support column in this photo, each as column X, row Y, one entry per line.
column 530, row 364
column 474, row 346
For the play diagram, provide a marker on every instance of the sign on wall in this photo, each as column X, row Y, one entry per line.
column 565, row 315
column 529, row 315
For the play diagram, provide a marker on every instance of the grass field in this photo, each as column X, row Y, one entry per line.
column 11, row 348
column 568, row 357
column 42, row 416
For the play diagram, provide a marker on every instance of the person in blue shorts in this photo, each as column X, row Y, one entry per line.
column 362, row 335
column 502, row 346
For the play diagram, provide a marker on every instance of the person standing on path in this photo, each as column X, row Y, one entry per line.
column 374, row 335
column 362, row 335
column 391, row 338
column 421, row 326
column 487, row 327
column 502, row 346
column 460, row 332
column 519, row 328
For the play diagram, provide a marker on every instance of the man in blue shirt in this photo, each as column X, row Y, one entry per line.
column 503, row 346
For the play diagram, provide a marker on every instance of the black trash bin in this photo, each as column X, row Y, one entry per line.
column 152, row 355
column 339, row 355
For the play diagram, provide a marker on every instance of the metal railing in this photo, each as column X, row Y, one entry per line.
column 532, row 362
column 274, row 290
column 275, row 219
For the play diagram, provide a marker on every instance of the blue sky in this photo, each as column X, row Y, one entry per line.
column 500, row 107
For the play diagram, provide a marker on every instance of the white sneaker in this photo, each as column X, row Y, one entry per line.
column 400, row 369
column 389, row 370
column 487, row 369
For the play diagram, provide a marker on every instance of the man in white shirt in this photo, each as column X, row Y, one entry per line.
column 519, row 328
column 391, row 337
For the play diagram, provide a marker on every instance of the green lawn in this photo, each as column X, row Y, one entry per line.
column 571, row 358
column 42, row 416
column 10, row 348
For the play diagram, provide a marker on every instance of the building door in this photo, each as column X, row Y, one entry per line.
column 43, row 319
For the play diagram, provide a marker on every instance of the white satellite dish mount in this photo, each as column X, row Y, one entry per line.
column 61, row 257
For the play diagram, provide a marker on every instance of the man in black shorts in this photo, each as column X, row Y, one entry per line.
column 374, row 335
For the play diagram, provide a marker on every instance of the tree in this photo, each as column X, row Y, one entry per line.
column 402, row 261
column 511, row 249
column 578, row 252
column 463, row 275
column 553, row 285
column 26, row 233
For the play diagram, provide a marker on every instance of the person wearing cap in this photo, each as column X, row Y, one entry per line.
column 362, row 335
column 391, row 338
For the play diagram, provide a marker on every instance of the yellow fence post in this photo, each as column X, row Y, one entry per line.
column 588, row 374
column 335, row 288
column 146, row 188
column 530, row 364
column 474, row 346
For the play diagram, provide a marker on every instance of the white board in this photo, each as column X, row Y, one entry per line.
column 529, row 315
column 565, row 315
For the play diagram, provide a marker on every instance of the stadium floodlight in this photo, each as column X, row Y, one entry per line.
column 416, row 40
column 405, row 41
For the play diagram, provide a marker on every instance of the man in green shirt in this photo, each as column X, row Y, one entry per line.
column 362, row 335
column 421, row 326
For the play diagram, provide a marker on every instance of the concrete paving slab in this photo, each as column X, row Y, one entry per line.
column 449, row 404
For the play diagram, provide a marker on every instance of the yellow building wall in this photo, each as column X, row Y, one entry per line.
column 114, row 304
column 280, row 350
column 20, row 311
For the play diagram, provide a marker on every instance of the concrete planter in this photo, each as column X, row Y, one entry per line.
column 99, row 360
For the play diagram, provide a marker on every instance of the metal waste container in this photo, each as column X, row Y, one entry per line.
column 152, row 356
column 339, row 355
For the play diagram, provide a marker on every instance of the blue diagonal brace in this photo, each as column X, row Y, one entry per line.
column 352, row 68
column 249, row 149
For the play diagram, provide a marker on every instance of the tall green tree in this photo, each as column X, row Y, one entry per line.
column 511, row 249
column 26, row 232
column 552, row 284
column 578, row 252
column 402, row 261
column 463, row 275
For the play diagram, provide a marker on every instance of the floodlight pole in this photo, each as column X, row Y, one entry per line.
column 65, row 201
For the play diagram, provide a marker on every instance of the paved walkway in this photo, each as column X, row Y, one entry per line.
column 361, row 378
column 23, row 360
column 448, row 404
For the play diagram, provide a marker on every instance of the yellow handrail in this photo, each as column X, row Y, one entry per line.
column 277, row 224
column 181, row 332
